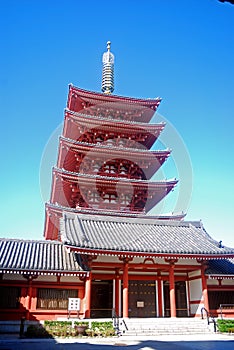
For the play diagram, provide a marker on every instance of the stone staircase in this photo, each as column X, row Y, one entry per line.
column 164, row 326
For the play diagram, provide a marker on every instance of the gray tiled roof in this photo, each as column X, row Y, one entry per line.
column 221, row 267
column 51, row 257
column 126, row 236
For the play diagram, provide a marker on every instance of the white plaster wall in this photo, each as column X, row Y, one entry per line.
column 194, row 273
column 139, row 260
column 195, row 289
column 46, row 278
column 72, row 279
column 212, row 282
column 188, row 262
column 105, row 258
column 101, row 271
column 228, row 282
column 13, row 277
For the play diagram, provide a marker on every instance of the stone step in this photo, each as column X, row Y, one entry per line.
column 163, row 326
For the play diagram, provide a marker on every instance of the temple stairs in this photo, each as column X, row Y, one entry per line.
column 164, row 326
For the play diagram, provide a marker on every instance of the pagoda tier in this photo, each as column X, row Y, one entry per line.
column 92, row 129
column 101, row 192
column 111, row 106
column 105, row 160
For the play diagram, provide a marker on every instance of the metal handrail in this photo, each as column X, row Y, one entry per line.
column 208, row 317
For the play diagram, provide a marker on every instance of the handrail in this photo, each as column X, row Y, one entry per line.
column 208, row 316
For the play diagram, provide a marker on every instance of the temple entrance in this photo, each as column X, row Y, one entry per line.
column 101, row 299
column 142, row 299
column 181, row 299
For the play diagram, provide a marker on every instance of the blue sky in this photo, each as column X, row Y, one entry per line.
column 180, row 50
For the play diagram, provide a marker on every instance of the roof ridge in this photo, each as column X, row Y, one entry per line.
column 30, row 240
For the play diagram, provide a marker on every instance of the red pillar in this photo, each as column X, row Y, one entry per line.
column 28, row 300
column 204, row 288
column 172, row 290
column 117, row 292
column 88, row 295
column 125, row 288
column 160, row 312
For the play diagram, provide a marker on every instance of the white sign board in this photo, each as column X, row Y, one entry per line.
column 73, row 304
column 140, row 304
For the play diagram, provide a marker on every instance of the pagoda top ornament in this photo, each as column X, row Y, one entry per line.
column 108, row 71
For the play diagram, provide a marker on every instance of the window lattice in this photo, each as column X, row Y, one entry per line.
column 55, row 299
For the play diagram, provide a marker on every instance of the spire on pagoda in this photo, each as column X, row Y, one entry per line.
column 108, row 71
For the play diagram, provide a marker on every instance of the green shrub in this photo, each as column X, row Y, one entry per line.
column 225, row 326
column 65, row 329
column 105, row 325
column 80, row 323
column 102, row 329
column 57, row 323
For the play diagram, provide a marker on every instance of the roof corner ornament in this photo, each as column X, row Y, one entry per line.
column 108, row 71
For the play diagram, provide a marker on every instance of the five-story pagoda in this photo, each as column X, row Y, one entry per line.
column 104, row 161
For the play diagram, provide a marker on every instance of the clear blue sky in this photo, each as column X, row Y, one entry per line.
column 180, row 50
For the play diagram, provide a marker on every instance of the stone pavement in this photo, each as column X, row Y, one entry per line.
column 183, row 342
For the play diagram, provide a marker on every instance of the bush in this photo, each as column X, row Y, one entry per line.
column 80, row 323
column 64, row 329
column 225, row 326
column 59, row 328
column 37, row 331
column 102, row 329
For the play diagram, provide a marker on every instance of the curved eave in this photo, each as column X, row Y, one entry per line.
column 58, row 210
column 85, row 178
column 177, row 255
column 103, row 147
column 97, row 120
column 101, row 97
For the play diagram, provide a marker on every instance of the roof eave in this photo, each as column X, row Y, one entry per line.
column 205, row 256
column 43, row 272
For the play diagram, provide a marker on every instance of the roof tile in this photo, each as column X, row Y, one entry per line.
column 37, row 256
column 118, row 234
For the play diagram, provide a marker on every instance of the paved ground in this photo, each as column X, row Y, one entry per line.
column 199, row 342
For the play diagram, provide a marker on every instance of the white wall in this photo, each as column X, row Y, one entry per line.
column 196, row 299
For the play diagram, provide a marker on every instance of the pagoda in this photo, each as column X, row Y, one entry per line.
column 105, row 162
column 101, row 247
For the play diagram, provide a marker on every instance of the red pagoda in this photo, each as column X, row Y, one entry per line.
column 100, row 245
column 105, row 163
